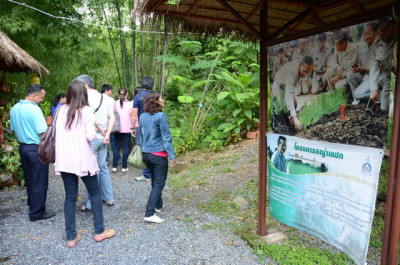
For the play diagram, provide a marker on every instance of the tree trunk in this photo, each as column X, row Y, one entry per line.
column 112, row 45
column 164, row 53
column 133, row 79
column 124, row 55
column 141, row 51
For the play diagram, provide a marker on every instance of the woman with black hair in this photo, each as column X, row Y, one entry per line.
column 123, row 136
column 58, row 101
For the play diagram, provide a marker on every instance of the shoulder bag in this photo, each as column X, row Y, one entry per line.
column 47, row 145
column 135, row 159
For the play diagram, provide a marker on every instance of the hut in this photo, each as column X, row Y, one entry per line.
column 274, row 22
column 15, row 59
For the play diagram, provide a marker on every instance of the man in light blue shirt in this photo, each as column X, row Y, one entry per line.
column 27, row 120
column 278, row 157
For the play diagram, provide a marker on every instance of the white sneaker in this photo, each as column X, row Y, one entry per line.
column 125, row 170
column 159, row 210
column 154, row 219
column 113, row 170
column 141, row 178
column 355, row 102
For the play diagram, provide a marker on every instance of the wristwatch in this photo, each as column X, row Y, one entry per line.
column 132, row 128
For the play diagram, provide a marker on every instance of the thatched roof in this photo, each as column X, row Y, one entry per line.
column 15, row 59
column 287, row 19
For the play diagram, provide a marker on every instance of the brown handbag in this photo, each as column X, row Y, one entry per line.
column 47, row 145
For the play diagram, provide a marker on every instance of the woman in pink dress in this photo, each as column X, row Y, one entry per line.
column 75, row 128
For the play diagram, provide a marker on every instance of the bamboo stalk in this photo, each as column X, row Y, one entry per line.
column 112, row 45
column 204, row 93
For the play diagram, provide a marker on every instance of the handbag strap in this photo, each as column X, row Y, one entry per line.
column 101, row 101
column 140, row 137
column 54, row 121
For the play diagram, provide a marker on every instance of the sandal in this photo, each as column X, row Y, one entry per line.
column 84, row 209
column 110, row 203
column 72, row 243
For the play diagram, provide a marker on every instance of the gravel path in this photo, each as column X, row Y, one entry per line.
column 180, row 240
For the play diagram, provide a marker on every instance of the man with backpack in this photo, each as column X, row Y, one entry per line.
column 138, row 103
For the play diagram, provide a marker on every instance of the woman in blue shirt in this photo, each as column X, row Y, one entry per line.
column 58, row 101
column 156, row 144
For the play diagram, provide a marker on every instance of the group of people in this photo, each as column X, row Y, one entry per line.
column 334, row 61
column 84, row 120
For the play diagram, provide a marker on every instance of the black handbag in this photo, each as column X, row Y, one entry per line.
column 47, row 145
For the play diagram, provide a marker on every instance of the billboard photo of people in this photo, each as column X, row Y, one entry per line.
column 335, row 86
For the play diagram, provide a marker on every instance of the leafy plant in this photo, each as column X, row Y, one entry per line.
column 46, row 108
column 10, row 162
column 239, row 101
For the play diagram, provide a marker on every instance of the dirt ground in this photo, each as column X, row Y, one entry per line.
column 360, row 127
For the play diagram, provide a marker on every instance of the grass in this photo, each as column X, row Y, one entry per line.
column 290, row 254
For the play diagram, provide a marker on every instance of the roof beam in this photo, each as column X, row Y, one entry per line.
column 156, row 4
column 239, row 17
column 192, row 7
column 290, row 23
column 358, row 6
column 177, row 14
column 317, row 20
column 303, row 18
column 333, row 5
column 313, row 6
column 340, row 24
column 295, row 3
column 258, row 6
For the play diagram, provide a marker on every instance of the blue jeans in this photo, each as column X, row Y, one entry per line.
column 123, row 139
column 158, row 167
column 112, row 147
column 71, row 195
column 100, row 151
column 146, row 172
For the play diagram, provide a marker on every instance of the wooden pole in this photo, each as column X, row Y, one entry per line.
column 262, row 172
column 392, row 217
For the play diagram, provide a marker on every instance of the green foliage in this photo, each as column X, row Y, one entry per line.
column 190, row 47
column 383, row 178
column 239, row 101
column 185, row 99
column 326, row 103
column 377, row 232
column 9, row 161
column 204, row 64
column 289, row 254
column 66, row 48
column 173, row 59
column 390, row 131
column 46, row 108
column 196, row 71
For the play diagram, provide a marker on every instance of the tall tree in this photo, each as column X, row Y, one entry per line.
column 124, row 53
column 134, row 79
